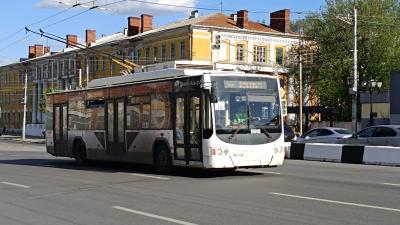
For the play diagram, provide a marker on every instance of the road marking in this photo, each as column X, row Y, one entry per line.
column 390, row 184
column 17, row 185
column 335, row 202
column 15, row 155
column 259, row 171
column 153, row 216
column 149, row 176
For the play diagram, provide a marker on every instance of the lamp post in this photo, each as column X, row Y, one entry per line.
column 371, row 86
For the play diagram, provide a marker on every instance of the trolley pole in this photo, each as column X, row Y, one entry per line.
column 355, row 75
column 24, row 117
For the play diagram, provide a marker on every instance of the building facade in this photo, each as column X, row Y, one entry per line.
column 216, row 41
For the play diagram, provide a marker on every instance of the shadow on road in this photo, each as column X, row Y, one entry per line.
column 118, row 167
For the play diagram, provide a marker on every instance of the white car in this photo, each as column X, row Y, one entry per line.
column 325, row 135
column 381, row 135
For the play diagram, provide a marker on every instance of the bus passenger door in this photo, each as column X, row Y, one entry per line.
column 187, row 130
column 115, row 127
column 61, row 129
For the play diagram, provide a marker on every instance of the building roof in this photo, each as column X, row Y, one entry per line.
column 221, row 20
column 213, row 20
column 218, row 20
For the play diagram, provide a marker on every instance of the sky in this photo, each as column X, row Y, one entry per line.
column 57, row 17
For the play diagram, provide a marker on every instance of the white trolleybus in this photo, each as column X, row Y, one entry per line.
column 169, row 118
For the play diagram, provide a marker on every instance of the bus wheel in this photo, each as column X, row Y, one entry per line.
column 162, row 159
column 79, row 153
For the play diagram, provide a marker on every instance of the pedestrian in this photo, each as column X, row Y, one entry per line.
column 4, row 130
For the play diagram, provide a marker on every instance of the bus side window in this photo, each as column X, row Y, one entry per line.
column 95, row 114
column 160, row 111
column 138, row 112
column 207, row 118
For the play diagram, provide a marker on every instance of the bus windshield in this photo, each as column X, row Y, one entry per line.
column 245, row 104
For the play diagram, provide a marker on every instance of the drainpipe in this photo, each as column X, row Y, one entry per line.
column 190, row 42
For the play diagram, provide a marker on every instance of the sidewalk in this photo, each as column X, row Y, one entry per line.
column 14, row 138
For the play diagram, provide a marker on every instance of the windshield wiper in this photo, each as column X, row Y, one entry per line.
column 264, row 130
column 236, row 131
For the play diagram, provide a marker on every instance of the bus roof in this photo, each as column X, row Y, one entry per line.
column 145, row 76
column 165, row 74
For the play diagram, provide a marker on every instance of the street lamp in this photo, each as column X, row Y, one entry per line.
column 370, row 86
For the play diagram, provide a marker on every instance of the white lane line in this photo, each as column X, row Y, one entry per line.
column 15, row 155
column 390, row 184
column 153, row 216
column 17, row 185
column 259, row 171
column 149, row 176
column 336, row 202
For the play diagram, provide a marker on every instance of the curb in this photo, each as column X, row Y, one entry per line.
column 354, row 154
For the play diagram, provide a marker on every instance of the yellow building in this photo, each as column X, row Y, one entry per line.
column 215, row 41
column 11, row 97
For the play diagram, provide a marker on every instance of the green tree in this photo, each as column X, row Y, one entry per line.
column 42, row 103
column 330, row 41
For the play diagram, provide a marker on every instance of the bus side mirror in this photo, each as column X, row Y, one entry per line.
column 213, row 96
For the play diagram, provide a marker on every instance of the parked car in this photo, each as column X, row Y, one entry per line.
column 325, row 135
column 382, row 135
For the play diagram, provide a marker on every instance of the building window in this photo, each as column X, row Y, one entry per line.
column 240, row 52
column 279, row 56
column 111, row 65
column 182, row 50
column 172, row 53
column 147, row 55
column 260, row 54
column 163, row 53
column 97, row 64
column 139, row 56
column 155, row 54
column 103, row 64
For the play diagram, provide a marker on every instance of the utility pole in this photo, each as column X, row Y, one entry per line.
column 355, row 75
column 87, row 72
column 24, row 117
column 80, row 78
column 301, row 80
column 301, row 90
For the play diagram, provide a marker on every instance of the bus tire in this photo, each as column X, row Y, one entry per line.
column 79, row 153
column 162, row 159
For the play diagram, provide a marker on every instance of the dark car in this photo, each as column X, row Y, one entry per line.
column 290, row 135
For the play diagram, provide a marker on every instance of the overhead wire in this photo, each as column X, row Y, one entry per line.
column 33, row 24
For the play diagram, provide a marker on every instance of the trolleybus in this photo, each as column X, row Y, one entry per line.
column 171, row 117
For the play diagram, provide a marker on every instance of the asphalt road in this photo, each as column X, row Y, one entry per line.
column 36, row 188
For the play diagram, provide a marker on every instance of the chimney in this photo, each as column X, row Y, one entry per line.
column 90, row 37
column 194, row 14
column 133, row 25
column 47, row 50
column 147, row 23
column 243, row 19
column 72, row 40
column 280, row 20
column 39, row 50
column 31, row 52
column 234, row 17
